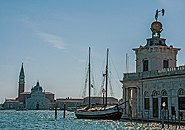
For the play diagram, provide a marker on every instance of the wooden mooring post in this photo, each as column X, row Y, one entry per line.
column 64, row 110
column 55, row 112
column 168, row 118
column 142, row 116
column 148, row 116
column 175, row 121
column 179, row 119
column 172, row 119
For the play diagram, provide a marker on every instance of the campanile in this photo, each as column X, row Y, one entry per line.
column 21, row 81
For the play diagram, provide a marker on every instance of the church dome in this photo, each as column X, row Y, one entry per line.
column 37, row 87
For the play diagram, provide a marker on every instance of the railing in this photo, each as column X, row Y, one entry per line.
column 155, row 73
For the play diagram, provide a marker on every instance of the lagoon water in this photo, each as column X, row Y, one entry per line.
column 16, row 120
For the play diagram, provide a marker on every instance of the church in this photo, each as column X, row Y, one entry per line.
column 157, row 80
column 37, row 99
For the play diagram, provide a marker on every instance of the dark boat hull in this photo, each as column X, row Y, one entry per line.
column 111, row 112
column 112, row 116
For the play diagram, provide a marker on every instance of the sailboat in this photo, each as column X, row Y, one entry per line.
column 105, row 112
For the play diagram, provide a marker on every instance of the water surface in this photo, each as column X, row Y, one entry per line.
column 31, row 120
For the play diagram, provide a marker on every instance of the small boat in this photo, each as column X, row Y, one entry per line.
column 105, row 112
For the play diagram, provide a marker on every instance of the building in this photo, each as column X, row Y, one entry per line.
column 157, row 79
column 69, row 102
column 11, row 104
column 36, row 99
column 99, row 100
column 74, row 103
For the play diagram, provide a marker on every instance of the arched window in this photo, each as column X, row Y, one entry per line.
column 147, row 100
column 154, row 93
column 163, row 93
column 164, row 98
column 181, row 101
column 181, row 91
column 146, row 94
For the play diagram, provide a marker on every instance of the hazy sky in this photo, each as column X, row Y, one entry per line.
column 51, row 38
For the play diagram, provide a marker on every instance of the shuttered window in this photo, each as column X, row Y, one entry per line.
column 145, row 65
column 165, row 63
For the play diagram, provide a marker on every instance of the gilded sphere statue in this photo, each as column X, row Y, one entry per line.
column 157, row 26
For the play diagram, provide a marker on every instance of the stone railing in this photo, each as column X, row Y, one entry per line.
column 155, row 73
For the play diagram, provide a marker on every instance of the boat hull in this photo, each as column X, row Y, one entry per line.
column 113, row 116
column 112, row 113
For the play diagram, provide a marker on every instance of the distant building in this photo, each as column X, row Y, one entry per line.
column 99, row 100
column 36, row 99
column 11, row 104
column 70, row 103
column 73, row 103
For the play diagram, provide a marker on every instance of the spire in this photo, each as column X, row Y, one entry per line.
column 22, row 69
column 21, row 81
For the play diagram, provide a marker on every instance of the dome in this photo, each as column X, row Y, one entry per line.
column 157, row 26
column 37, row 87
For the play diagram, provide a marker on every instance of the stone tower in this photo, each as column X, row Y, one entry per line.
column 155, row 55
column 21, row 81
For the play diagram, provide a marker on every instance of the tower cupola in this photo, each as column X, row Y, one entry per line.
column 155, row 55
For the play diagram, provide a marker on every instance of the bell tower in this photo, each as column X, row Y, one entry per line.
column 21, row 81
column 155, row 55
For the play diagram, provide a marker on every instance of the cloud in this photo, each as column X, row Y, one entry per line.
column 57, row 41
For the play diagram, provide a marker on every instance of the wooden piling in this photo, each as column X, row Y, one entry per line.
column 168, row 118
column 175, row 121
column 172, row 119
column 55, row 112
column 179, row 119
column 64, row 110
column 142, row 116
column 148, row 116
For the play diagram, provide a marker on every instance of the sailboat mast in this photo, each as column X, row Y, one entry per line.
column 89, row 79
column 106, row 81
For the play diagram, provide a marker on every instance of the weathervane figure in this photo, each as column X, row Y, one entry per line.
column 157, row 13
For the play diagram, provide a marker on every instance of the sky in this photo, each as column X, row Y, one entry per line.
column 52, row 37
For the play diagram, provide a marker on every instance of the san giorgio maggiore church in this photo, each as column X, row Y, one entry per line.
column 37, row 99
column 157, row 79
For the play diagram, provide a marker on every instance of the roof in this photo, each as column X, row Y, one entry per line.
column 48, row 93
column 30, row 93
column 69, row 100
column 11, row 100
column 100, row 98
column 26, row 93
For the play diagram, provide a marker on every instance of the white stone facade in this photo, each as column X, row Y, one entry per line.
column 37, row 101
column 156, row 85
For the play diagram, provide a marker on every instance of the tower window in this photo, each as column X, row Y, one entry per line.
column 145, row 65
column 165, row 63
column 159, row 42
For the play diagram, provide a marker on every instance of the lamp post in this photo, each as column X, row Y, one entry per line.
column 103, row 91
column 163, row 112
